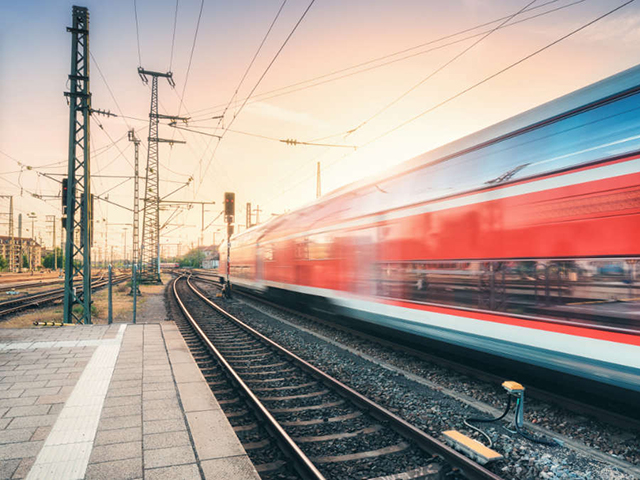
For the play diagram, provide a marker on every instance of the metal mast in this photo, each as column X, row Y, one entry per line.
column 77, row 260
column 150, row 251
column 12, row 245
column 136, row 198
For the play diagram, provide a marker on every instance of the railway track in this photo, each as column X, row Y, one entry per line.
column 36, row 300
column 295, row 420
column 607, row 415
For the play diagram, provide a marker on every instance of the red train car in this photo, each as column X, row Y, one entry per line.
column 520, row 241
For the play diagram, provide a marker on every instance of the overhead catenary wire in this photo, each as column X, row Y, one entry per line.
column 499, row 72
column 466, row 90
column 302, row 17
column 442, row 67
column 135, row 11
column 281, row 90
column 173, row 38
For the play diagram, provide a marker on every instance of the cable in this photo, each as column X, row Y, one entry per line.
column 135, row 9
column 487, row 420
column 193, row 47
column 369, row 62
column 442, row 67
column 255, row 55
column 304, row 14
column 499, row 72
column 173, row 39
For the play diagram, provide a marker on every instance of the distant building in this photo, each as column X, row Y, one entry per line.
column 211, row 258
column 30, row 248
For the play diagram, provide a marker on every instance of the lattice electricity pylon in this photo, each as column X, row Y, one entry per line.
column 150, row 250
column 136, row 197
column 77, row 260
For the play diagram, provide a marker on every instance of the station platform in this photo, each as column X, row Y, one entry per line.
column 114, row 401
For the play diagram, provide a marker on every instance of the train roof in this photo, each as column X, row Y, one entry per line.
column 610, row 86
column 604, row 88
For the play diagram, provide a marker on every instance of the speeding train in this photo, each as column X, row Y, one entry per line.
column 520, row 242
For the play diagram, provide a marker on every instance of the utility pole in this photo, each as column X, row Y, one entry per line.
column 136, row 198
column 52, row 219
column 257, row 210
column 33, row 217
column 78, row 195
column 12, row 239
column 150, row 252
column 20, row 242
column 318, row 184
column 248, row 220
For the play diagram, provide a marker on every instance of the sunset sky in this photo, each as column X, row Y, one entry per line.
column 333, row 36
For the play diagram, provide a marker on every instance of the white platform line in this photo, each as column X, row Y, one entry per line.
column 66, row 451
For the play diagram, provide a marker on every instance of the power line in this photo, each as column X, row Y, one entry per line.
column 268, row 94
column 255, row 55
column 484, row 80
column 173, row 39
column 193, row 47
column 499, row 72
column 441, row 67
column 135, row 9
column 304, row 14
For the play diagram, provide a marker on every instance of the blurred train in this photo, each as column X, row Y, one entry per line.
column 520, row 241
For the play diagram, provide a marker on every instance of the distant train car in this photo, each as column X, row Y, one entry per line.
column 519, row 241
column 169, row 265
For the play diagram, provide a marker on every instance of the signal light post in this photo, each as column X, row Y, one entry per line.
column 229, row 213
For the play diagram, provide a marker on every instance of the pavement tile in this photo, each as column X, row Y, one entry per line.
column 159, row 395
column 121, row 410
column 122, row 469
column 231, row 467
column 61, row 383
column 164, row 457
column 4, row 422
column 27, row 411
column 16, row 436
column 11, row 393
column 17, row 402
column 120, row 422
column 183, row 472
column 161, row 414
column 23, row 385
column 158, row 426
column 36, row 392
column 223, row 444
column 125, row 384
column 121, row 435
column 32, row 421
column 19, row 450
column 52, row 376
column 164, row 385
column 41, row 433
column 23, row 468
column 197, row 396
column 162, row 403
column 157, row 379
column 187, row 372
column 116, row 451
column 166, row 439
column 123, row 392
column 122, row 401
column 8, row 467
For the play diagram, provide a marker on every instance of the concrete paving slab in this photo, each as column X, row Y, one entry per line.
column 230, row 467
column 94, row 401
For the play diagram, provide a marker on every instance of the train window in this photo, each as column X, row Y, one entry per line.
column 319, row 247
column 301, row 251
column 597, row 290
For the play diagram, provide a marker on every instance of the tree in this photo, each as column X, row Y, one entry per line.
column 3, row 263
column 193, row 258
column 48, row 260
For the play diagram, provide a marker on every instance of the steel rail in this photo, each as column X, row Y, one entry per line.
column 49, row 296
column 600, row 413
column 470, row 469
column 303, row 465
